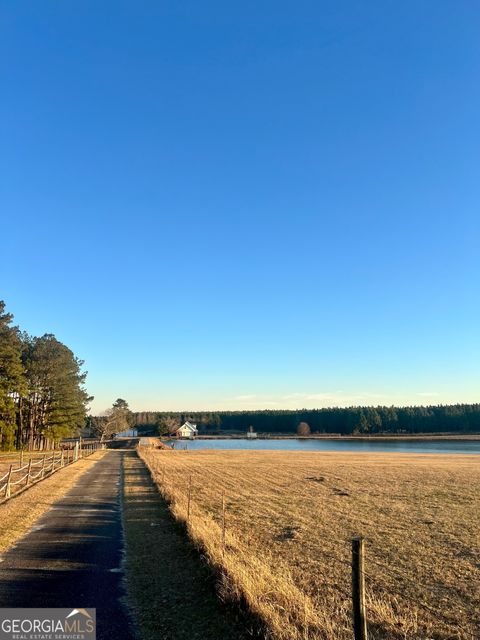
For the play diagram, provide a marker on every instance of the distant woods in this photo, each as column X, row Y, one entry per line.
column 459, row 418
column 42, row 392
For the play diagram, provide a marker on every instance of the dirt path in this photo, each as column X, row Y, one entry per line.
column 72, row 556
column 171, row 591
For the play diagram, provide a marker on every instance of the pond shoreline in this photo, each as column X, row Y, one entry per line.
column 342, row 438
column 360, row 445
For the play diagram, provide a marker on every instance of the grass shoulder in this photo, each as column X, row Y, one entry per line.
column 171, row 591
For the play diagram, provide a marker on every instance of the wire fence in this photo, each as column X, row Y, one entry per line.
column 363, row 591
column 18, row 479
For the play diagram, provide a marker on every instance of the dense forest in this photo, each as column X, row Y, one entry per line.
column 42, row 393
column 459, row 418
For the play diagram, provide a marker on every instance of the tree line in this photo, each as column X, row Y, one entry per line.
column 42, row 388
column 458, row 418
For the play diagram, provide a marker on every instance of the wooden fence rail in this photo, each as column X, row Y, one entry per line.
column 11, row 483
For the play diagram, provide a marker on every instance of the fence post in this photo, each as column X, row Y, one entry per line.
column 7, row 488
column 43, row 465
column 21, row 458
column 62, row 461
column 189, row 498
column 29, row 471
column 358, row 590
column 223, row 522
column 75, row 454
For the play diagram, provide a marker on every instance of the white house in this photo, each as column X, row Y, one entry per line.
column 187, row 430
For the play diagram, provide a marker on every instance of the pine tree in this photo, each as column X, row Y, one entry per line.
column 12, row 379
column 56, row 398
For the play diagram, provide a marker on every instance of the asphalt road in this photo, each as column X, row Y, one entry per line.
column 72, row 557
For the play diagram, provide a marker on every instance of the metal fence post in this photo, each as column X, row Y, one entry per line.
column 358, row 590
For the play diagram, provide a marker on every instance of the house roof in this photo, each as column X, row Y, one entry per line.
column 188, row 425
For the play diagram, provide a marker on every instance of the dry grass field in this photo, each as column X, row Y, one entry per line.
column 14, row 458
column 290, row 517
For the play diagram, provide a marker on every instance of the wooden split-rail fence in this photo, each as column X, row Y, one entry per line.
column 28, row 473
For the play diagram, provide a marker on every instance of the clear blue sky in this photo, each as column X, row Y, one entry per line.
column 251, row 204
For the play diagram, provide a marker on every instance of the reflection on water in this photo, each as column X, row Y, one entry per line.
column 399, row 446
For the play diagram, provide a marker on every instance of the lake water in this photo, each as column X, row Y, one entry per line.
column 398, row 446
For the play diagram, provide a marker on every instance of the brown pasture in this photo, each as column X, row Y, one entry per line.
column 289, row 519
